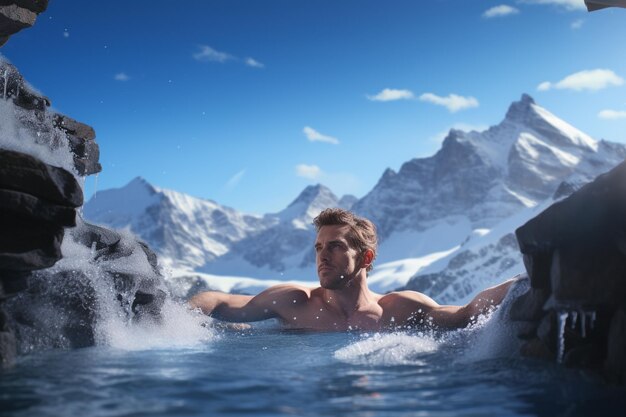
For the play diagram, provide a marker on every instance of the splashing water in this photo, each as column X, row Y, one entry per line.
column 388, row 349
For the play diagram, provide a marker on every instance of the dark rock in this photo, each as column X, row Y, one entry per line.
column 535, row 348
column 16, row 15
column 27, row 244
column 21, row 172
column 587, row 355
column 16, row 203
column 75, row 128
column 37, row 6
column 526, row 330
column 529, row 306
column 615, row 364
column 14, row 18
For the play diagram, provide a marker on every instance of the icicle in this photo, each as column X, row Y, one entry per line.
column 593, row 319
column 95, row 186
column 562, row 318
column 583, row 324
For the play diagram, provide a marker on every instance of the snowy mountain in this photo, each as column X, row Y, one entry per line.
column 185, row 231
column 504, row 176
column 446, row 222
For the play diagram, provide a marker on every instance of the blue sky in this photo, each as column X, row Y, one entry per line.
column 247, row 102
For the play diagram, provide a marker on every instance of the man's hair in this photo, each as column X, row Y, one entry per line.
column 362, row 234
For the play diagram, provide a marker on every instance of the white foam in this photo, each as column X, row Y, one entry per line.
column 388, row 350
column 179, row 327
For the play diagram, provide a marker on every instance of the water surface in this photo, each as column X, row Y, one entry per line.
column 270, row 373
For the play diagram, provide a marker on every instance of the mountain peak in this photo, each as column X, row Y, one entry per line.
column 311, row 193
column 519, row 110
column 312, row 200
column 140, row 183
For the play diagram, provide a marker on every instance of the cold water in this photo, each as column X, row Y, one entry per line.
column 268, row 372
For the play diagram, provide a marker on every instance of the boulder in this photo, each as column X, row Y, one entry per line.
column 16, row 15
column 575, row 255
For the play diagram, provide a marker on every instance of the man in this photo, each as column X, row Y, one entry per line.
column 345, row 249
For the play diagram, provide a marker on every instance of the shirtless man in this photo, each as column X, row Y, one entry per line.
column 345, row 248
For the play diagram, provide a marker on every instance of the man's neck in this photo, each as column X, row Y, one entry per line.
column 351, row 298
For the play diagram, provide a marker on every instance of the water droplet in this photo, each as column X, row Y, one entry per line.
column 264, row 347
column 294, row 318
column 265, row 310
column 341, row 277
column 419, row 310
column 321, row 309
column 317, row 317
column 294, row 301
column 393, row 319
column 273, row 302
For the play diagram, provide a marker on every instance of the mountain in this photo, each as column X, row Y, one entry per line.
column 488, row 176
column 503, row 177
column 285, row 247
column 445, row 222
column 185, row 231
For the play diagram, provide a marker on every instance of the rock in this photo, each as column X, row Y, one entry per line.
column 16, row 15
column 535, row 348
column 22, row 172
column 615, row 364
column 27, row 206
column 529, row 306
column 27, row 245
column 575, row 254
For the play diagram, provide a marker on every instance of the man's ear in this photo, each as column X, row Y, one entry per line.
column 367, row 258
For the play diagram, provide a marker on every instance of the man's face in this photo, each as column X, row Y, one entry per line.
column 336, row 260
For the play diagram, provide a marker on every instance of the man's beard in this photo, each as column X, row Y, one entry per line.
column 337, row 282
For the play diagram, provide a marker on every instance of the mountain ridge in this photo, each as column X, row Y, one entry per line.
column 428, row 212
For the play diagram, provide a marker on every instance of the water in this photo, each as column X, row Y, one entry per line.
column 273, row 373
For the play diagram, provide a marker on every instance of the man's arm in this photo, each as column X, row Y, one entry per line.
column 416, row 309
column 461, row 316
column 245, row 308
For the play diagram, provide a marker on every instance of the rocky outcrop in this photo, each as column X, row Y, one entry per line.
column 54, row 130
column 16, row 15
column 575, row 256
column 103, row 273
column 59, row 276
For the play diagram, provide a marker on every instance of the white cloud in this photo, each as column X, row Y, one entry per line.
column 499, row 11
column 439, row 137
column 452, row 102
column 235, row 179
column 577, row 24
column 592, row 80
column 308, row 171
column 121, row 76
column 612, row 114
column 566, row 4
column 206, row 53
column 390, row 94
column 315, row 136
column 251, row 62
column 544, row 86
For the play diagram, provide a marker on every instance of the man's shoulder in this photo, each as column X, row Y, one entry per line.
column 288, row 290
column 406, row 297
